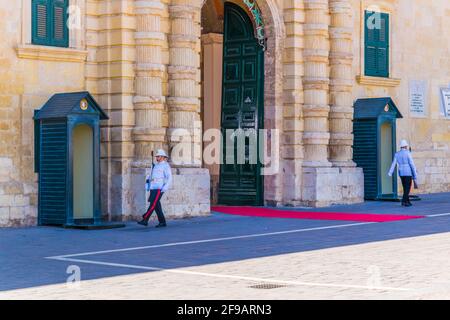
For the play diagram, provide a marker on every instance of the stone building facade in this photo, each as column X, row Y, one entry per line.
column 156, row 68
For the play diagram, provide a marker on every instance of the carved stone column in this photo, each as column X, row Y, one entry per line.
column 184, row 82
column 292, row 146
column 315, row 109
column 316, row 84
column 341, row 57
column 149, row 132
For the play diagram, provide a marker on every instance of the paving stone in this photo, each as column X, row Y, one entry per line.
column 188, row 260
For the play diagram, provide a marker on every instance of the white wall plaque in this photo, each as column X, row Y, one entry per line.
column 446, row 100
column 417, row 97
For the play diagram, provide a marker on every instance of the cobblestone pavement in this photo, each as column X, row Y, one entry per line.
column 234, row 257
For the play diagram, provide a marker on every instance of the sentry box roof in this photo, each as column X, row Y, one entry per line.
column 61, row 105
column 372, row 108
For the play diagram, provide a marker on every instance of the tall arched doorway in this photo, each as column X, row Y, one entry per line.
column 261, row 31
column 240, row 182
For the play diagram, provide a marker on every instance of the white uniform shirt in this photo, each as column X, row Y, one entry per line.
column 161, row 176
column 405, row 164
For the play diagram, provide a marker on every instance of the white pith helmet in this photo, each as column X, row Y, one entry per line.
column 403, row 144
column 161, row 153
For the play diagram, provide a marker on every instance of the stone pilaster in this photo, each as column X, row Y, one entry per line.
column 184, row 83
column 316, row 83
column 293, row 71
column 110, row 29
column 212, row 60
column 341, row 82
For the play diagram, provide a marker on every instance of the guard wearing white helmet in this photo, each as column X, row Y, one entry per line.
column 406, row 170
column 160, row 182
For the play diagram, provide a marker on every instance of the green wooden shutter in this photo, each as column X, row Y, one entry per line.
column 383, row 48
column 37, row 142
column 377, row 46
column 60, row 32
column 365, row 154
column 40, row 25
column 50, row 23
column 53, row 172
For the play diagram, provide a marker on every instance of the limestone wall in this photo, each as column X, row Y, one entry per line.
column 141, row 61
column 420, row 50
column 29, row 75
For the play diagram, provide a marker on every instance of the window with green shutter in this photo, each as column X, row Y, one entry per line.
column 50, row 23
column 376, row 44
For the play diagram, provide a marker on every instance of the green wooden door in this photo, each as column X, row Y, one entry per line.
column 242, row 109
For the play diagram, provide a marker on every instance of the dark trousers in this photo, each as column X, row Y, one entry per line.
column 406, row 182
column 155, row 205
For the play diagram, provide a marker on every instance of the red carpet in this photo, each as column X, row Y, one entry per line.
column 275, row 213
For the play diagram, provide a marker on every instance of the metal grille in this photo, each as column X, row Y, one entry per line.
column 267, row 286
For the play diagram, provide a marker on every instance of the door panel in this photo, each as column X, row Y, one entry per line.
column 387, row 183
column 242, row 108
column 232, row 71
column 249, row 73
column 83, row 172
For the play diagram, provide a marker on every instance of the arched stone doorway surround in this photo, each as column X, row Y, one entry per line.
column 273, row 88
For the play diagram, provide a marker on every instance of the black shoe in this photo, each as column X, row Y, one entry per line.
column 143, row 222
column 403, row 204
column 408, row 204
column 161, row 225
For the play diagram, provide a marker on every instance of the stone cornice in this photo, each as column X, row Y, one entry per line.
column 36, row 52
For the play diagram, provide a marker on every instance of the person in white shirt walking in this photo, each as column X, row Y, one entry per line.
column 406, row 170
column 160, row 182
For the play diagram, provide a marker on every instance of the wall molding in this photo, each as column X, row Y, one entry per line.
column 378, row 81
column 35, row 52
